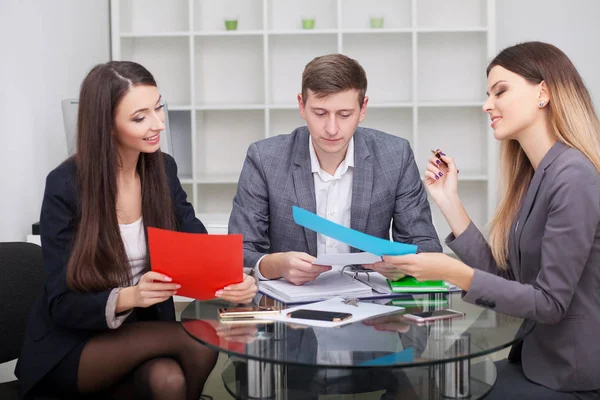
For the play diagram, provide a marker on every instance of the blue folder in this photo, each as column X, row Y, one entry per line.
column 356, row 239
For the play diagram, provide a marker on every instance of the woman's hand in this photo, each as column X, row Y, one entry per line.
column 434, row 266
column 153, row 288
column 441, row 181
column 242, row 292
column 388, row 270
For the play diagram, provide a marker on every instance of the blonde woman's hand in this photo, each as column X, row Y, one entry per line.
column 242, row 292
column 388, row 270
column 441, row 180
column 434, row 266
column 422, row 266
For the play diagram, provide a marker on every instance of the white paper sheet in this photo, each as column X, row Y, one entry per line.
column 346, row 259
column 362, row 311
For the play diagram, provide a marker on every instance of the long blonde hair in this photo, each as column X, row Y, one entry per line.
column 571, row 118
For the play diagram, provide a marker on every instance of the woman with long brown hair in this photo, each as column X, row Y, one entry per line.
column 104, row 324
column 542, row 262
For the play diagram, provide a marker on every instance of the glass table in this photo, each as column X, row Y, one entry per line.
column 442, row 359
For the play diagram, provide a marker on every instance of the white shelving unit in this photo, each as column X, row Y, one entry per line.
column 226, row 89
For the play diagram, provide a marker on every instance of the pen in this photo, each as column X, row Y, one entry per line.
column 437, row 155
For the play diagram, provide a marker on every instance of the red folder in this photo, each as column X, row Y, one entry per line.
column 200, row 263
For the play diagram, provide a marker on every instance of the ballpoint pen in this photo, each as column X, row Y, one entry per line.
column 437, row 155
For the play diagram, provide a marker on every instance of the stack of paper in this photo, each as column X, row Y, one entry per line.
column 328, row 284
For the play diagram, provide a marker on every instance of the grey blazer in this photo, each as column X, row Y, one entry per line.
column 277, row 174
column 554, row 276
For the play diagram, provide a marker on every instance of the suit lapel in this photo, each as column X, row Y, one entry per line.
column 531, row 195
column 362, row 184
column 304, row 186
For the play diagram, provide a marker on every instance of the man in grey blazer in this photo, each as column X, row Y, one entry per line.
column 358, row 177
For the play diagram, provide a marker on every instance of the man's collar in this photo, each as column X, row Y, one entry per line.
column 346, row 163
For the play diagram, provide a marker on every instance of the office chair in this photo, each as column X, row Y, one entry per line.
column 69, row 112
column 21, row 268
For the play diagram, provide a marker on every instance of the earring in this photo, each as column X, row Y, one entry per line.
column 542, row 104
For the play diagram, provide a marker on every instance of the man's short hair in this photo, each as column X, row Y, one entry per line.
column 333, row 73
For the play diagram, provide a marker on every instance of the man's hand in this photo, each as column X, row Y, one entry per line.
column 296, row 267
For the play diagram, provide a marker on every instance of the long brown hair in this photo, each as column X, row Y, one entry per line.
column 98, row 260
column 571, row 118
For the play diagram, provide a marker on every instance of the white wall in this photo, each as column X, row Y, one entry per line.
column 572, row 26
column 46, row 48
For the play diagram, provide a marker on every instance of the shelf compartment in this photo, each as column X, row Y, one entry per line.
column 397, row 122
column 210, row 15
column 285, row 121
column 460, row 132
column 287, row 59
column 171, row 69
column 215, row 198
column 357, row 14
column 229, row 70
column 159, row 16
column 180, row 127
column 389, row 81
column 222, row 140
column 451, row 66
column 287, row 15
column 451, row 14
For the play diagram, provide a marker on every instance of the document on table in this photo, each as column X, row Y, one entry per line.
column 347, row 259
column 360, row 312
column 328, row 284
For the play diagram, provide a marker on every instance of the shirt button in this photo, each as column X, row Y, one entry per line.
column 331, row 214
column 333, row 184
column 331, row 244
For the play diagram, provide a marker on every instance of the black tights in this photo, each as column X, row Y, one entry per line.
column 147, row 360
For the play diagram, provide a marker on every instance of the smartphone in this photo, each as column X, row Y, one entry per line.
column 333, row 316
column 246, row 312
column 433, row 315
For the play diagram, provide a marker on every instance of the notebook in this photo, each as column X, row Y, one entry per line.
column 329, row 284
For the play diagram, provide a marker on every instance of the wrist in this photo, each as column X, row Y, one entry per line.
column 269, row 266
column 460, row 274
column 455, row 214
column 125, row 300
column 450, row 205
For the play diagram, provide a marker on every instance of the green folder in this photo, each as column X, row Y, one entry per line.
column 410, row 284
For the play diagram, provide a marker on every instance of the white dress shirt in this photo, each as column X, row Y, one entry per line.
column 333, row 194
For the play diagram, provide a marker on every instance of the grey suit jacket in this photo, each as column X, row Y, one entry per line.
column 554, row 276
column 277, row 175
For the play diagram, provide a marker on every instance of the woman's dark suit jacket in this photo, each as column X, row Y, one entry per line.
column 60, row 318
column 553, row 279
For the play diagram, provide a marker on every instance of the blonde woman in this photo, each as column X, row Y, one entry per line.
column 542, row 262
